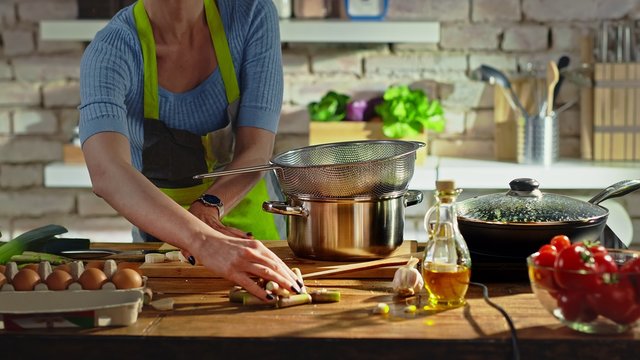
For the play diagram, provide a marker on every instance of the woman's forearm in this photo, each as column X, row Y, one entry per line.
column 135, row 197
column 253, row 147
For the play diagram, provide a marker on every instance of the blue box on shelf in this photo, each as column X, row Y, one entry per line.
column 366, row 9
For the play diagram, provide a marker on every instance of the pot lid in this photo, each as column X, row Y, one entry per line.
column 525, row 203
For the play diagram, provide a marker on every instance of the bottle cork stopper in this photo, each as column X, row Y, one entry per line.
column 444, row 185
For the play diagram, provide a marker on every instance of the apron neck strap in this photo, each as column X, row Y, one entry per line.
column 148, row 45
column 221, row 45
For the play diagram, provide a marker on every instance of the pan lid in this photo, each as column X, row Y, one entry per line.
column 525, row 203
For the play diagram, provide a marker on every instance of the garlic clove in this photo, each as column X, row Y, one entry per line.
column 407, row 280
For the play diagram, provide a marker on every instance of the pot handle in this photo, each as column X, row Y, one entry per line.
column 412, row 197
column 282, row 208
column 618, row 189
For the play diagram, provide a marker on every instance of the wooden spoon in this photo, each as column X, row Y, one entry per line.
column 553, row 75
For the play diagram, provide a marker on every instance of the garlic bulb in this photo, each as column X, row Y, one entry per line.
column 407, row 280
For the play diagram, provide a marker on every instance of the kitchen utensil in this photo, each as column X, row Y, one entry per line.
column 367, row 169
column 553, row 75
column 88, row 254
column 517, row 223
column 495, row 76
column 367, row 265
column 586, row 98
column 538, row 140
column 344, row 229
column 563, row 63
column 379, row 268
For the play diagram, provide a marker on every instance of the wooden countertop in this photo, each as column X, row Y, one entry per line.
column 204, row 323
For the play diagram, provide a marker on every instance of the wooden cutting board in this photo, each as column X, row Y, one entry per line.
column 383, row 268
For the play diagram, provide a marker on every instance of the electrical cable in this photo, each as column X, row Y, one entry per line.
column 512, row 328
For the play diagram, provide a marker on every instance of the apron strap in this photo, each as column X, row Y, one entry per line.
column 148, row 45
column 220, row 44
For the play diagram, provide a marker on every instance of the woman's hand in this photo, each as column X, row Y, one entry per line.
column 239, row 259
column 210, row 216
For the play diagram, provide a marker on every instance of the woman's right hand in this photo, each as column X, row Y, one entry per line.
column 238, row 260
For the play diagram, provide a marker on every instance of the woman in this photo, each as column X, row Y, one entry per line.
column 173, row 88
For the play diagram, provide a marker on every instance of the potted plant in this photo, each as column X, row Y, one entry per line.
column 407, row 112
column 331, row 107
column 336, row 117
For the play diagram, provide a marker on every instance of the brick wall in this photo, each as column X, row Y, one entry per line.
column 39, row 90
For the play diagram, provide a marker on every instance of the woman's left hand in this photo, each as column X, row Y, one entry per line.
column 210, row 216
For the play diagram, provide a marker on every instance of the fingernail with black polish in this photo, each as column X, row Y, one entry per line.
column 300, row 283
column 270, row 297
column 295, row 289
column 249, row 234
column 191, row 260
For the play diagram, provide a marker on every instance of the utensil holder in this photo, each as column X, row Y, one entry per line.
column 616, row 120
column 538, row 139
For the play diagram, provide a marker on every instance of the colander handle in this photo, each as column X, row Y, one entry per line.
column 237, row 171
column 282, row 208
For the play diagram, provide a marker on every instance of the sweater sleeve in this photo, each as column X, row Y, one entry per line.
column 105, row 79
column 261, row 74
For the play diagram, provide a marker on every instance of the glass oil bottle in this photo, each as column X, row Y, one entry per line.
column 446, row 267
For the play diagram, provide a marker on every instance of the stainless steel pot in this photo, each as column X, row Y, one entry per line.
column 344, row 229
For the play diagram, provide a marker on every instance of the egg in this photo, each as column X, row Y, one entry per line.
column 3, row 279
column 33, row 267
column 130, row 265
column 92, row 279
column 126, row 279
column 25, row 280
column 59, row 280
column 94, row 264
column 64, row 267
column 2, row 269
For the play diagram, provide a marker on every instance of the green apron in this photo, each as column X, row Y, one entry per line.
column 170, row 157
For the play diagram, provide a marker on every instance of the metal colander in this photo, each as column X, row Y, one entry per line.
column 343, row 170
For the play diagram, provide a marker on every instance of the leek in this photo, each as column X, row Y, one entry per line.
column 29, row 241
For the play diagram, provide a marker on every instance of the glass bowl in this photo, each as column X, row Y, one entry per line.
column 591, row 302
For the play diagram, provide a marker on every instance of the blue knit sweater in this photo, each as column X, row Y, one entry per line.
column 111, row 78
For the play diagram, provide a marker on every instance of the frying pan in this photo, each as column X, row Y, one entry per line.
column 514, row 225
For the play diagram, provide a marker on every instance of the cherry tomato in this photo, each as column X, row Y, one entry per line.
column 616, row 301
column 543, row 273
column 575, row 307
column 561, row 242
column 548, row 248
column 631, row 269
column 575, row 269
column 605, row 263
column 596, row 248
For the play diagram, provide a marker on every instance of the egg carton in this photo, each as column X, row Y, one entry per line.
column 74, row 307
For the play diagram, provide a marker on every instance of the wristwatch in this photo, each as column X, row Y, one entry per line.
column 212, row 200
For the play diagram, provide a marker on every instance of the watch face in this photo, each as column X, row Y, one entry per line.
column 211, row 199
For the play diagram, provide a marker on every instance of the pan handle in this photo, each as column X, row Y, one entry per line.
column 237, row 171
column 282, row 208
column 618, row 189
column 412, row 197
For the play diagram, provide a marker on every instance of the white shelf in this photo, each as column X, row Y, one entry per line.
column 564, row 174
column 65, row 175
column 468, row 174
column 312, row 31
column 340, row 31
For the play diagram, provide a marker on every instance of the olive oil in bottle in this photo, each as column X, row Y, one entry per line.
column 446, row 267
